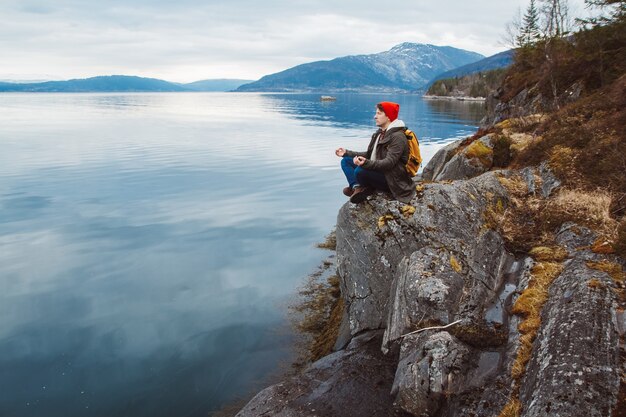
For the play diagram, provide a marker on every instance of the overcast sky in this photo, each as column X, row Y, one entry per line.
column 189, row 40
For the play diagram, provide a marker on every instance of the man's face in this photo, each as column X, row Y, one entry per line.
column 381, row 118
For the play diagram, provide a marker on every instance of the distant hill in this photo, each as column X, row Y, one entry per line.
column 405, row 67
column 107, row 83
column 497, row 61
column 216, row 85
column 121, row 83
column 479, row 84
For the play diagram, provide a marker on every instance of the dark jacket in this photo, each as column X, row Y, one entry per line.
column 392, row 153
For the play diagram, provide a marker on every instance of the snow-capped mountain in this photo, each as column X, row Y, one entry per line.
column 407, row 66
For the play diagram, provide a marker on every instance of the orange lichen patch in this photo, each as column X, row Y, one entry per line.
column 407, row 211
column 420, row 188
column 383, row 220
column 548, row 253
column 614, row 270
column 480, row 151
column 603, row 246
column 506, row 124
column 455, row 264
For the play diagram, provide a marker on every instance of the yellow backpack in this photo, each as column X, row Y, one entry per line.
column 415, row 158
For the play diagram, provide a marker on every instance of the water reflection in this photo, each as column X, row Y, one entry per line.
column 432, row 119
column 148, row 242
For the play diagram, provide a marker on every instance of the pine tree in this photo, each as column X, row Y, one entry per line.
column 616, row 12
column 529, row 32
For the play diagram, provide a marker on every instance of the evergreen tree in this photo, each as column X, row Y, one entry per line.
column 616, row 11
column 529, row 32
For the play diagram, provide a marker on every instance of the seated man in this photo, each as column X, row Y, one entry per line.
column 382, row 167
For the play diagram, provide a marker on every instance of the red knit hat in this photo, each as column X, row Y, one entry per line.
column 391, row 109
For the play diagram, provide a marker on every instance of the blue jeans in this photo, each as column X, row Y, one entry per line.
column 359, row 176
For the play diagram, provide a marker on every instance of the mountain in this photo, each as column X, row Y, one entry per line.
column 497, row 61
column 216, row 85
column 405, row 67
column 96, row 84
column 121, row 83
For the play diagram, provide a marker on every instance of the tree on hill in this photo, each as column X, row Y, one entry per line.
column 556, row 17
column 616, row 12
column 529, row 32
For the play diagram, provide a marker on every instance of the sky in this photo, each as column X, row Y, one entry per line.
column 190, row 40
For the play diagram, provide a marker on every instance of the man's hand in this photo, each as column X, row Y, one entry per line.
column 340, row 152
column 359, row 160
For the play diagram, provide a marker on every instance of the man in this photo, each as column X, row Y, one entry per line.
column 382, row 167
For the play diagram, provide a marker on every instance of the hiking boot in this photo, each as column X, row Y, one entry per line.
column 360, row 194
column 348, row 191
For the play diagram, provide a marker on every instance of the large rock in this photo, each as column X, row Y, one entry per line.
column 428, row 371
column 575, row 367
column 439, row 160
column 435, row 265
column 438, row 261
column 460, row 160
column 375, row 239
column 353, row 382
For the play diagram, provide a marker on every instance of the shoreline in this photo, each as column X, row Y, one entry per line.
column 457, row 98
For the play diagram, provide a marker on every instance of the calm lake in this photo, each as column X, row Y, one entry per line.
column 149, row 243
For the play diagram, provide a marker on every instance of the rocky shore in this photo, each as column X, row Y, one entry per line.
column 442, row 260
column 500, row 290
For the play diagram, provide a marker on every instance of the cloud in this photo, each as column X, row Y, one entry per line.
column 189, row 40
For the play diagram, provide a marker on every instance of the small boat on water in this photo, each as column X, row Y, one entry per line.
column 328, row 98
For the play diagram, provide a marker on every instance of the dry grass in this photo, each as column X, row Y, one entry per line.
column 520, row 141
column 512, row 409
column 548, row 253
column 502, row 152
column 530, row 220
column 620, row 244
column 587, row 208
column 584, row 144
column 523, row 124
column 603, row 245
column 520, row 222
column 529, row 305
column 614, row 270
